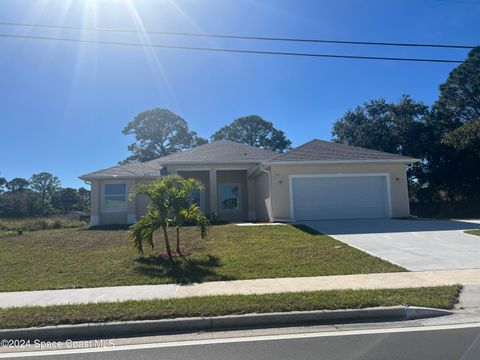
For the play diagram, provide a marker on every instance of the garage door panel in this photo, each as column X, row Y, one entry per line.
column 339, row 197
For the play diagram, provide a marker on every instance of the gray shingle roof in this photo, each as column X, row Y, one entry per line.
column 216, row 152
column 320, row 150
column 227, row 152
column 121, row 171
column 219, row 152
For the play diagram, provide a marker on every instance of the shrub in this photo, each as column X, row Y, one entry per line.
column 39, row 225
column 57, row 224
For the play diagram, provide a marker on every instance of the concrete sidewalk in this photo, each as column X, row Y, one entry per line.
column 240, row 287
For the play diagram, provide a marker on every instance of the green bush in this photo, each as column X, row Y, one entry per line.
column 38, row 225
column 57, row 224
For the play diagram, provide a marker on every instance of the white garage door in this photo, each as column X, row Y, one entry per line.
column 343, row 197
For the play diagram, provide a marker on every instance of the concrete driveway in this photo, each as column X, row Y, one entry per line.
column 417, row 245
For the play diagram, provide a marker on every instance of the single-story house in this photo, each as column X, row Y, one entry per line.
column 317, row 180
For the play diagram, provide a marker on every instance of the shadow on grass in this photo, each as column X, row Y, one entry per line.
column 182, row 270
column 307, row 229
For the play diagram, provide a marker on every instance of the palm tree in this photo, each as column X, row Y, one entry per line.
column 170, row 205
column 185, row 211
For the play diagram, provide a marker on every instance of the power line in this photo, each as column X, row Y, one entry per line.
column 264, row 38
column 460, row 1
column 242, row 51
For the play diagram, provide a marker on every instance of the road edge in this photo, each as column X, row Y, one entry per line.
column 218, row 323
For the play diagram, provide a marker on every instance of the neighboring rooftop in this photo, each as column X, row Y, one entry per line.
column 320, row 150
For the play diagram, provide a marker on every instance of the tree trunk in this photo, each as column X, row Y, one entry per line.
column 167, row 244
column 179, row 252
column 43, row 203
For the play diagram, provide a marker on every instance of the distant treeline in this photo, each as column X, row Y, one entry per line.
column 42, row 194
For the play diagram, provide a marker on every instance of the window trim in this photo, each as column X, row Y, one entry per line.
column 239, row 199
column 104, row 197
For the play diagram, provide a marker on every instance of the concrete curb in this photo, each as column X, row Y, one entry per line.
column 249, row 321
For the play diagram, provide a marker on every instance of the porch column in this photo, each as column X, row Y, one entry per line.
column 252, row 214
column 213, row 193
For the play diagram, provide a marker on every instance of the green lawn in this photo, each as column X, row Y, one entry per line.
column 6, row 232
column 443, row 297
column 473, row 232
column 68, row 258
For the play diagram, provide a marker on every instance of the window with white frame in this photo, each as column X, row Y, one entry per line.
column 229, row 195
column 115, row 197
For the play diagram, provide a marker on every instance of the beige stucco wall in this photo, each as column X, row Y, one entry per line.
column 262, row 196
column 135, row 208
column 142, row 201
column 94, row 202
column 281, row 192
column 204, row 177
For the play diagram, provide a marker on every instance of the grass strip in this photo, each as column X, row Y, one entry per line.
column 443, row 297
column 473, row 232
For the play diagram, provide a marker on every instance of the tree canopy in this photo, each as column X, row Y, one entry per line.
column 17, row 184
column 159, row 132
column 46, row 185
column 445, row 137
column 459, row 100
column 3, row 184
column 43, row 195
column 255, row 131
column 465, row 137
column 379, row 125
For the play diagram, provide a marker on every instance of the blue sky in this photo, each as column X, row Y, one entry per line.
column 63, row 105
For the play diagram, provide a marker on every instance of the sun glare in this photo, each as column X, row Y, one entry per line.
column 150, row 53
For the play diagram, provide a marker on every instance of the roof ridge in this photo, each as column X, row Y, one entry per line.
column 324, row 150
column 365, row 148
column 196, row 148
column 181, row 151
column 295, row 148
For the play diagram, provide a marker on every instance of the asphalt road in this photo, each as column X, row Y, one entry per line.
column 392, row 344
